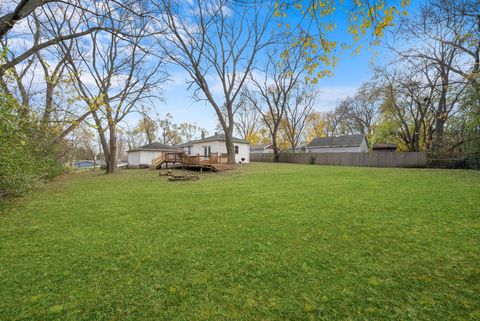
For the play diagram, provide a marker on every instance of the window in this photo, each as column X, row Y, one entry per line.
column 236, row 149
column 189, row 150
column 207, row 150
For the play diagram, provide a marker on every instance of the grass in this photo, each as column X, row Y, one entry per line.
column 265, row 242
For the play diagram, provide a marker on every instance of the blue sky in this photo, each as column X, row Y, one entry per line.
column 350, row 72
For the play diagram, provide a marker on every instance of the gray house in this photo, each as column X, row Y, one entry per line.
column 261, row 148
column 339, row 144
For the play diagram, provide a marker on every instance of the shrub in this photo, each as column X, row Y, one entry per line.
column 24, row 159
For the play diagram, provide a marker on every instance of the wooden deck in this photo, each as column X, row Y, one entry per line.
column 214, row 162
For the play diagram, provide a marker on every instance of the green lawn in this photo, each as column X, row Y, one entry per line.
column 265, row 242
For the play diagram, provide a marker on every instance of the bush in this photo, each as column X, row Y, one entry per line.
column 24, row 159
column 454, row 160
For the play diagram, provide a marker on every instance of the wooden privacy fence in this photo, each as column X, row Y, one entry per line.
column 371, row 159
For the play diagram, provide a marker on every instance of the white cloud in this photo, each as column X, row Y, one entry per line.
column 177, row 78
column 330, row 96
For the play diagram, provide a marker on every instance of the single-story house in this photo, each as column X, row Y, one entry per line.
column 339, row 144
column 143, row 156
column 216, row 144
column 261, row 148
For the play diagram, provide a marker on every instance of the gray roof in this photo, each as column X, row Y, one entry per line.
column 220, row 137
column 261, row 146
column 154, row 147
column 337, row 141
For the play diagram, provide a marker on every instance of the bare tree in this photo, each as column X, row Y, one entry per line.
column 409, row 104
column 357, row 114
column 337, row 121
column 84, row 139
column 169, row 133
column 247, row 120
column 123, row 71
column 62, row 13
column 132, row 137
column 188, row 131
column 21, row 10
column 47, row 96
column 272, row 88
column 461, row 21
column 438, row 39
column 83, row 11
column 298, row 111
column 216, row 42
column 364, row 108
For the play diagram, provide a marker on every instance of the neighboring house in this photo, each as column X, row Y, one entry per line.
column 143, row 156
column 261, row 148
column 339, row 144
column 216, row 144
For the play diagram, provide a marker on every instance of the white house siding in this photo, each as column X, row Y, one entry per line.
column 197, row 149
column 142, row 157
column 221, row 148
column 134, row 158
column 363, row 148
column 243, row 152
column 146, row 157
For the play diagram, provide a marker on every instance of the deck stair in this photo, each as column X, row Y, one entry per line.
column 167, row 159
column 157, row 162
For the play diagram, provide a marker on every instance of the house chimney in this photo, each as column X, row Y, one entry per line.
column 203, row 134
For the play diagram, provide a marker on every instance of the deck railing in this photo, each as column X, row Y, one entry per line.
column 182, row 158
column 214, row 158
column 202, row 160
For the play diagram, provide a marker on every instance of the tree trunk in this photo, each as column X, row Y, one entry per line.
column 22, row 9
column 229, row 144
column 416, row 142
column 48, row 107
column 103, row 139
column 439, row 125
column 293, row 144
column 112, row 160
column 440, row 117
column 276, row 150
column 416, row 135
